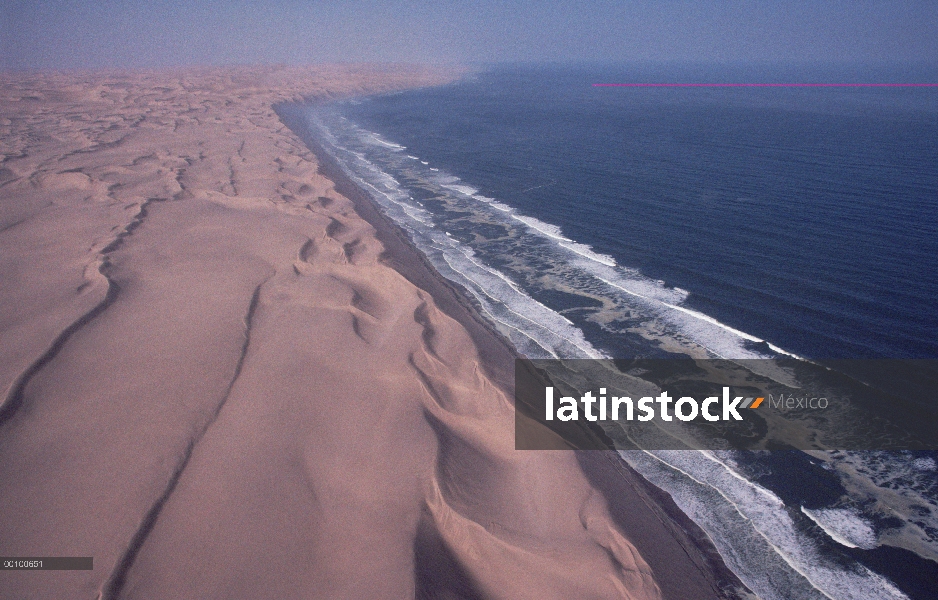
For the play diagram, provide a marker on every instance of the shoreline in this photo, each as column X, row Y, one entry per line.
column 605, row 470
column 401, row 255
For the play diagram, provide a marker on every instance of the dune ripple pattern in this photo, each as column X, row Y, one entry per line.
column 217, row 384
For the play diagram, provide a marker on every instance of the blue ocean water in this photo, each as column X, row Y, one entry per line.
column 805, row 217
column 727, row 222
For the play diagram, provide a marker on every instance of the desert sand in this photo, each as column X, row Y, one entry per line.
column 225, row 376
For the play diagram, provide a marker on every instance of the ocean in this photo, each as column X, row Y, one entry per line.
column 738, row 223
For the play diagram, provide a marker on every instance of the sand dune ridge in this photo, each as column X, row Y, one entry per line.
column 225, row 382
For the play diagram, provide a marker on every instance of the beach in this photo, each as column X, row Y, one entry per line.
column 227, row 374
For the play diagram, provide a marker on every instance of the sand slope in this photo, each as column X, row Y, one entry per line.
column 218, row 386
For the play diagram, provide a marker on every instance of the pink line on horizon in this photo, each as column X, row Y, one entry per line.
column 765, row 85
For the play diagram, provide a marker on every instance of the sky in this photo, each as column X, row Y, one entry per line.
column 93, row 34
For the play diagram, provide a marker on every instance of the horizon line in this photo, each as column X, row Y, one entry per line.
column 765, row 85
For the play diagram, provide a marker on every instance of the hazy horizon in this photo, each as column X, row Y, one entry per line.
column 65, row 34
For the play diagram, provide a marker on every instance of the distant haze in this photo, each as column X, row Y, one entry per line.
column 67, row 34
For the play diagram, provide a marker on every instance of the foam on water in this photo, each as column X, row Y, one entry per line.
column 663, row 301
column 753, row 530
column 374, row 138
column 844, row 526
column 890, row 486
column 533, row 327
column 462, row 189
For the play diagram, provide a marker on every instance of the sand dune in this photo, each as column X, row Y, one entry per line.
column 223, row 382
